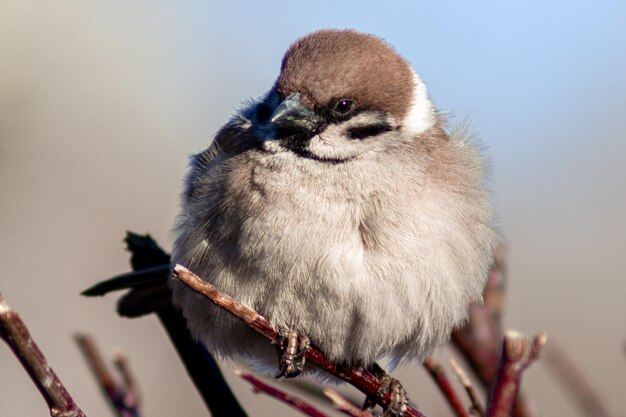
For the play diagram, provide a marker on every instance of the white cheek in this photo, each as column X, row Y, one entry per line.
column 421, row 115
column 332, row 144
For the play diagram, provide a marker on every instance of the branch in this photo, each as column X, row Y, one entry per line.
column 15, row 333
column 344, row 405
column 476, row 409
column 133, row 396
column 579, row 389
column 122, row 398
column 480, row 339
column 360, row 378
column 151, row 265
column 517, row 354
column 259, row 386
column 438, row 374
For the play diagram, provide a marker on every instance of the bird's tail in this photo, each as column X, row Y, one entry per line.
column 147, row 292
column 147, row 283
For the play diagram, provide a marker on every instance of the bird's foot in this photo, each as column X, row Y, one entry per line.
column 291, row 347
column 398, row 399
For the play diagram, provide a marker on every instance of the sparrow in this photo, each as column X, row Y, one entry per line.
column 341, row 208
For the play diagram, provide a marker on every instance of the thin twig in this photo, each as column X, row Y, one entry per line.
column 479, row 341
column 116, row 394
column 438, row 374
column 579, row 389
column 344, row 405
column 360, row 378
column 15, row 333
column 300, row 405
column 476, row 409
column 132, row 395
column 518, row 352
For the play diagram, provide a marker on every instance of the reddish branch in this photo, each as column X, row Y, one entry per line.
column 14, row 332
column 476, row 408
column 344, row 405
column 132, row 396
column 360, row 378
column 123, row 398
column 579, row 389
column 438, row 374
column 518, row 352
column 300, row 405
column 479, row 341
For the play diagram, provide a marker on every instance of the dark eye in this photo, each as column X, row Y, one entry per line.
column 343, row 106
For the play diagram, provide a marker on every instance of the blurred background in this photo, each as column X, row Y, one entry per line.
column 101, row 102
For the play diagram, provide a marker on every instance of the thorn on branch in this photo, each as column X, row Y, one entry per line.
column 15, row 333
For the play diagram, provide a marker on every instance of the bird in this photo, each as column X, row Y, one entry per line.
column 342, row 207
column 339, row 207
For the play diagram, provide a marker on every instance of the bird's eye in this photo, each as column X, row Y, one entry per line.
column 343, row 106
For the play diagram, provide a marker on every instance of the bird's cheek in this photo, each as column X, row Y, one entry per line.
column 330, row 144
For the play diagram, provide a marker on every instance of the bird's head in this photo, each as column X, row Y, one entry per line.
column 341, row 93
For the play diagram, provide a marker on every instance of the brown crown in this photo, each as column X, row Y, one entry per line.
column 329, row 65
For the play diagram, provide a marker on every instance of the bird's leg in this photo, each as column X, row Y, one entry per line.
column 291, row 347
column 398, row 400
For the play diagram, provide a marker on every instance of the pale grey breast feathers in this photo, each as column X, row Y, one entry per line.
column 370, row 238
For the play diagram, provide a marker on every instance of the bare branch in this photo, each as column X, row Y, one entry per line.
column 148, row 292
column 298, row 404
column 132, row 396
column 15, row 333
column 123, row 403
column 476, row 408
column 479, row 341
column 344, row 405
column 358, row 377
column 438, row 374
column 517, row 354
column 579, row 389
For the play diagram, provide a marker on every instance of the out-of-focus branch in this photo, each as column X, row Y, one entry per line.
column 438, row 374
column 579, row 389
column 123, row 399
column 476, row 408
column 260, row 386
column 15, row 333
column 131, row 388
column 479, row 341
column 360, row 378
column 344, row 405
column 518, row 352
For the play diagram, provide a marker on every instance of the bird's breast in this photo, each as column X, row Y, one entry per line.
column 294, row 215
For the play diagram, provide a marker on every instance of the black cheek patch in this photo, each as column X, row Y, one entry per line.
column 363, row 132
column 263, row 112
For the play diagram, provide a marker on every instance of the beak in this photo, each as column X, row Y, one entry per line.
column 292, row 115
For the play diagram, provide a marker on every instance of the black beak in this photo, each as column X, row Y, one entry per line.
column 292, row 115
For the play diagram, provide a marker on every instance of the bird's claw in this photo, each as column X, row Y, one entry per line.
column 398, row 399
column 292, row 348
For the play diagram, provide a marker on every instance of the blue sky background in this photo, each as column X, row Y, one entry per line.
column 102, row 101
